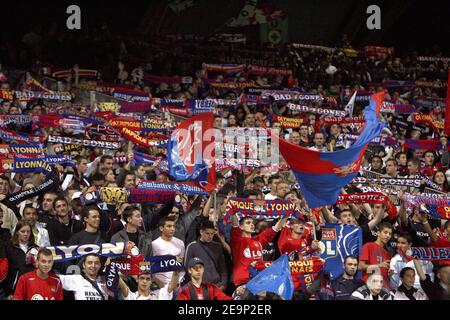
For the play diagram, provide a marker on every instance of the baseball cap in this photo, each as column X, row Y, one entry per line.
column 195, row 261
column 76, row 195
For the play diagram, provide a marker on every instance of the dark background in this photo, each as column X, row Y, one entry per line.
column 406, row 24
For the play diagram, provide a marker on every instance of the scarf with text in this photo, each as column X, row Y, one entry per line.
column 143, row 141
column 430, row 253
column 243, row 207
column 120, row 123
column 428, row 119
column 172, row 187
column 371, row 198
column 268, row 70
column 298, row 267
column 388, row 181
column 51, row 184
column 285, row 122
column 154, row 264
column 31, row 165
column 67, row 253
column 87, row 143
column 426, row 198
column 389, row 107
column 151, row 125
column 329, row 112
column 30, row 95
column 17, row 119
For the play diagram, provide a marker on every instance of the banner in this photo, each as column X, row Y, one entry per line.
column 428, row 199
column 67, row 253
column 143, row 141
column 142, row 195
column 113, row 195
column 430, row 253
column 369, row 197
column 108, row 106
column 191, row 152
column 131, row 95
column 433, row 145
column 171, row 187
column 155, row 264
column 298, row 267
column 226, row 68
column 31, row 165
column 389, row 107
column 26, row 149
column 268, row 70
column 330, row 112
column 125, row 123
column 86, row 143
column 62, row 96
column 17, row 119
column 429, row 102
column 138, row 107
column 339, row 241
column 101, row 132
column 289, row 122
column 51, row 184
column 428, row 119
column 243, row 207
column 406, row 182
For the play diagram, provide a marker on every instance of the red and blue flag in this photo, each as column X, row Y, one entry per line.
column 321, row 175
column 191, row 152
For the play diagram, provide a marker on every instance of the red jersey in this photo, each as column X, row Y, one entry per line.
column 372, row 253
column 246, row 250
column 31, row 287
column 288, row 244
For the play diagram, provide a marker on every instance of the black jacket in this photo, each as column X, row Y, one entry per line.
column 343, row 288
column 17, row 266
column 60, row 234
column 434, row 290
column 144, row 243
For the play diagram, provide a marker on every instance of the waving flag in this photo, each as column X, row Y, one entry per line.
column 191, row 152
column 276, row 278
column 338, row 242
column 322, row 174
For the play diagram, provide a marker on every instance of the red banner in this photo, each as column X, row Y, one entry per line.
column 369, row 197
column 298, row 267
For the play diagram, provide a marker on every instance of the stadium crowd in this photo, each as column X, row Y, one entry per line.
column 75, row 153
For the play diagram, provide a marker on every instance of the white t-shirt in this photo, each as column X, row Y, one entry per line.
column 174, row 247
column 161, row 294
column 82, row 288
